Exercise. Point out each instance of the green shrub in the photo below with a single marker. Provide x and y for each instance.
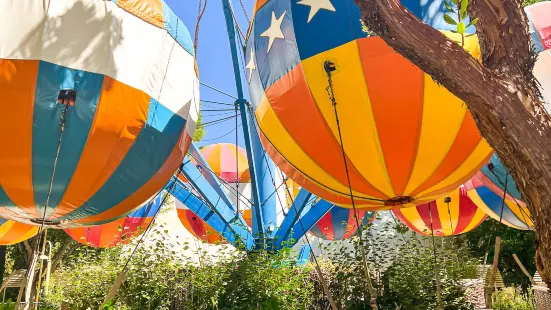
(513, 299)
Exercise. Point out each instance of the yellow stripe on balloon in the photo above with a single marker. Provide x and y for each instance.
(412, 215)
(521, 212)
(477, 218)
(280, 137)
(478, 158)
(5, 228)
(448, 215)
(359, 132)
(443, 115)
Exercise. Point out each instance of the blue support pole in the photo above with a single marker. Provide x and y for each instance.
(265, 168)
(212, 198)
(258, 222)
(303, 255)
(208, 215)
(299, 205)
(308, 220)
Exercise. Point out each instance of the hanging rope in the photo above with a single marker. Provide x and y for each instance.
(200, 12)
(217, 102)
(436, 267)
(330, 67)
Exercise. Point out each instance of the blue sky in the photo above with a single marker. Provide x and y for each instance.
(215, 62)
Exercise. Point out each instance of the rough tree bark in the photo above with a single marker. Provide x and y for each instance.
(501, 92)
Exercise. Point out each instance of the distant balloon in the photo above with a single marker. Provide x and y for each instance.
(99, 106)
(448, 216)
(511, 212)
(496, 177)
(120, 231)
(339, 223)
(539, 20)
(12, 232)
(228, 161)
(407, 140)
(201, 230)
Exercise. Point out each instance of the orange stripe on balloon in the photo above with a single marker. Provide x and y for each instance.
(391, 80)
(467, 139)
(17, 86)
(311, 132)
(148, 190)
(465, 179)
(149, 10)
(120, 115)
(295, 175)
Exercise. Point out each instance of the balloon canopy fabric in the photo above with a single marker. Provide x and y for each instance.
(99, 104)
(228, 161)
(201, 230)
(407, 140)
(448, 216)
(511, 212)
(496, 177)
(12, 232)
(339, 223)
(120, 231)
(539, 20)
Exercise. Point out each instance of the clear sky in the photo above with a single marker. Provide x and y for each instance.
(215, 62)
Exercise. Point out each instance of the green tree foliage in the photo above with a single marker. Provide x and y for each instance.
(513, 241)
(200, 130)
(529, 2)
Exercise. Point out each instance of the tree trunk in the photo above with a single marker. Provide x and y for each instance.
(501, 92)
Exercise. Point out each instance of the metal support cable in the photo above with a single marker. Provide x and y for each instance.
(217, 90)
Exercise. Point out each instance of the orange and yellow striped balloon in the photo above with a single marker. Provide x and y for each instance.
(451, 215)
(201, 230)
(228, 161)
(12, 232)
(407, 140)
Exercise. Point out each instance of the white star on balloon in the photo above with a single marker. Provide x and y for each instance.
(274, 32)
(316, 5)
(251, 65)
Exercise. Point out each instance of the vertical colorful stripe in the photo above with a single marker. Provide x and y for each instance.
(228, 161)
(448, 216)
(340, 223)
(402, 145)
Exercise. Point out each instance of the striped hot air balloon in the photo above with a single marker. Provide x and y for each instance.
(12, 232)
(539, 18)
(407, 140)
(511, 211)
(228, 161)
(120, 231)
(339, 223)
(496, 177)
(201, 230)
(99, 104)
(451, 215)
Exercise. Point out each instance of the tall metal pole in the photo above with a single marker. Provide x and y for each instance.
(257, 220)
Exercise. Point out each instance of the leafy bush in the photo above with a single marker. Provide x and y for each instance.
(513, 299)
(158, 278)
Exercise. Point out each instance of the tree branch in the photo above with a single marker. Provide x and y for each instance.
(484, 91)
(503, 34)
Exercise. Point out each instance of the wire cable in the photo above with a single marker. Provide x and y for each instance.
(217, 90)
